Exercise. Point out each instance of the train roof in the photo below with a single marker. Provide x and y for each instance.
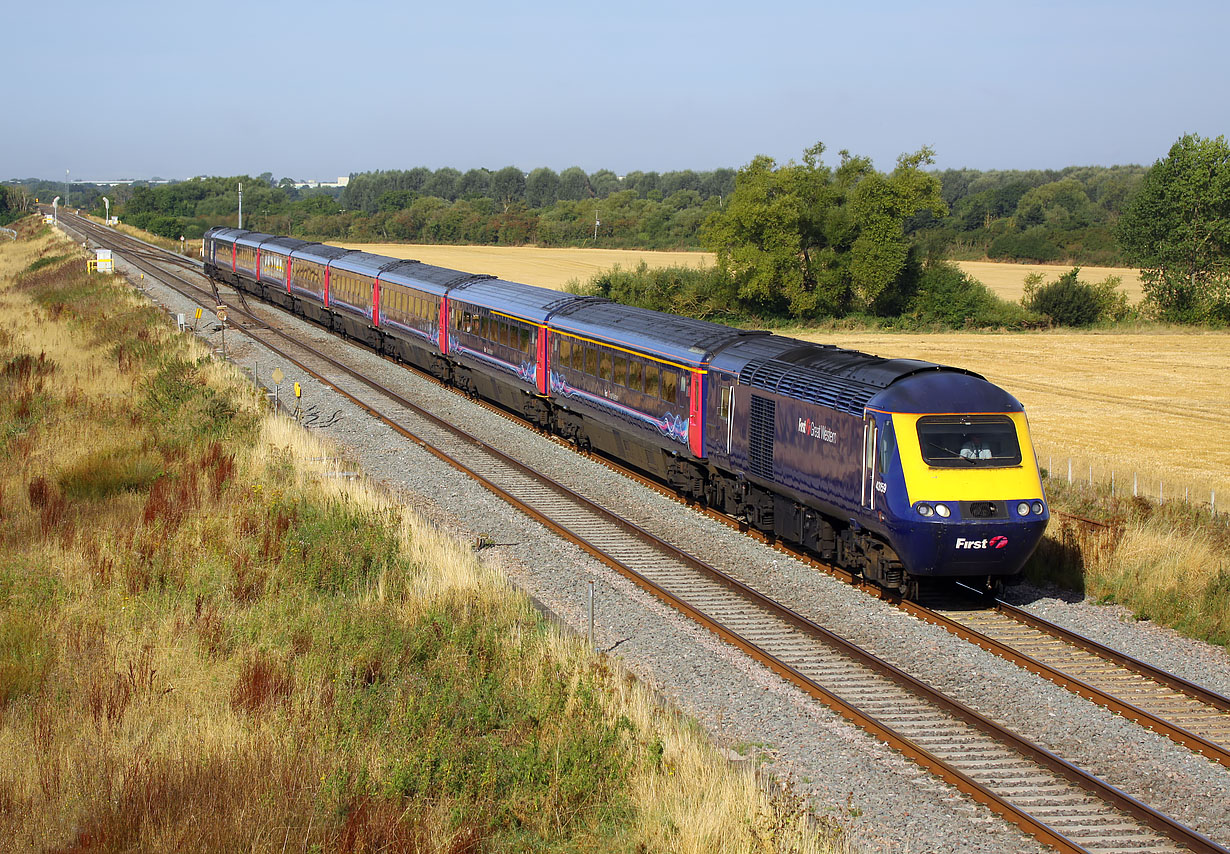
(944, 390)
(363, 263)
(844, 380)
(252, 238)
(322, 253)
(284, 245)
(525, 301)
(220, 232)
(426, 277)
(680, 339)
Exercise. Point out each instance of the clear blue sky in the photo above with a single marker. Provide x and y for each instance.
(315, 89)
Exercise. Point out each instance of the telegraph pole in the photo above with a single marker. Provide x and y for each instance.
(241, 204)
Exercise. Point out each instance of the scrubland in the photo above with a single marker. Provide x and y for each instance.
(206, 643)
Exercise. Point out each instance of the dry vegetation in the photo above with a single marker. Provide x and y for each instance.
(208, 644)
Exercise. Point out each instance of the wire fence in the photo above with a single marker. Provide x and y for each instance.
(1129, 482)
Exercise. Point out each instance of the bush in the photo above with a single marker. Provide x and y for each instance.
(1067, 301)
(692, 292)
(948, 296)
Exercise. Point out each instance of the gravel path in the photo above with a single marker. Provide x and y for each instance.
(885, 802)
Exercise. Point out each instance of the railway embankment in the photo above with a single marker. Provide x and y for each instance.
(212, 637)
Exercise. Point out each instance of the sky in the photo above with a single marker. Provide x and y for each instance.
(316, 89)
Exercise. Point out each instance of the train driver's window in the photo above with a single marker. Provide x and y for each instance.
(887, 443)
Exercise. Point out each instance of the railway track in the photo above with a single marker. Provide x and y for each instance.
(1042, 793)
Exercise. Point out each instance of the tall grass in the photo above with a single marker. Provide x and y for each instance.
(1169, 563)
(207, 643)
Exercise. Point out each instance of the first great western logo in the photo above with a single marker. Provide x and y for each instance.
(993, 543)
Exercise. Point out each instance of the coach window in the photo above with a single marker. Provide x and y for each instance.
(563, 348)
(578, 356)
(604, 366)
(636, 379)
(651, 378)
(670, 385)
(621, 370)
(591, 360)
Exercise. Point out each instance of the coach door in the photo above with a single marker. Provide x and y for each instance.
(720, 424)
(870, 440)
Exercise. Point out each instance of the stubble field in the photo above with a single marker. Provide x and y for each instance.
(553, 268)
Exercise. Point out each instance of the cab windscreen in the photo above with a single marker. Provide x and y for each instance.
(969, 441)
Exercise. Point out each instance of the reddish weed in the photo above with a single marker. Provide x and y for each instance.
(262, 683)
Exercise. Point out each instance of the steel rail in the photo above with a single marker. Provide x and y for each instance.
(1106, 792)
(1119, 705)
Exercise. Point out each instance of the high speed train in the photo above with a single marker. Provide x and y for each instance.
(898, 469)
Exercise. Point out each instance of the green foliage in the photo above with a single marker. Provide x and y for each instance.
(678, 290)
(1177, 229)
(1033, 244)
(45, 261)
(947, 296)
(107, 472)
(190, 412)
(1067, 301)
(27, 655)
(809, 241)
(1036, 215)
(334, 548)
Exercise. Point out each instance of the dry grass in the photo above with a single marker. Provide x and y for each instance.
(1007, 281)
(249, 654)
(1151, 403)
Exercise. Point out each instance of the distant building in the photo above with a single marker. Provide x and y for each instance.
(342, 181)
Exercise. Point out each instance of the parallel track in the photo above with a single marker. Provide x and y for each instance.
(1046, 796)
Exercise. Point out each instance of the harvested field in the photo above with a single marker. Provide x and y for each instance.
(553, 268)
(1007, 281)
(532, 265)
(1151, 403)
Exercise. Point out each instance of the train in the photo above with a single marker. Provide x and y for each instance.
(899, 470)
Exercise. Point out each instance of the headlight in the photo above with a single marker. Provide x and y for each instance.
(943, 510)
(925, 511)
(1022, 509)
(1038, 508)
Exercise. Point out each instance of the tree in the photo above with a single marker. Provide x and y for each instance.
(1177, 229)
(442, 184)
(541, 188)
(474, 184)
(508, 185)
(604, 182)
(813, 241)
(574, 184)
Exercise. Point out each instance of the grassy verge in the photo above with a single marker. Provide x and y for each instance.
(207, 643)
(1169, 563)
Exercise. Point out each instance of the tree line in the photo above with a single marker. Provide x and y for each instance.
(801, 240)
